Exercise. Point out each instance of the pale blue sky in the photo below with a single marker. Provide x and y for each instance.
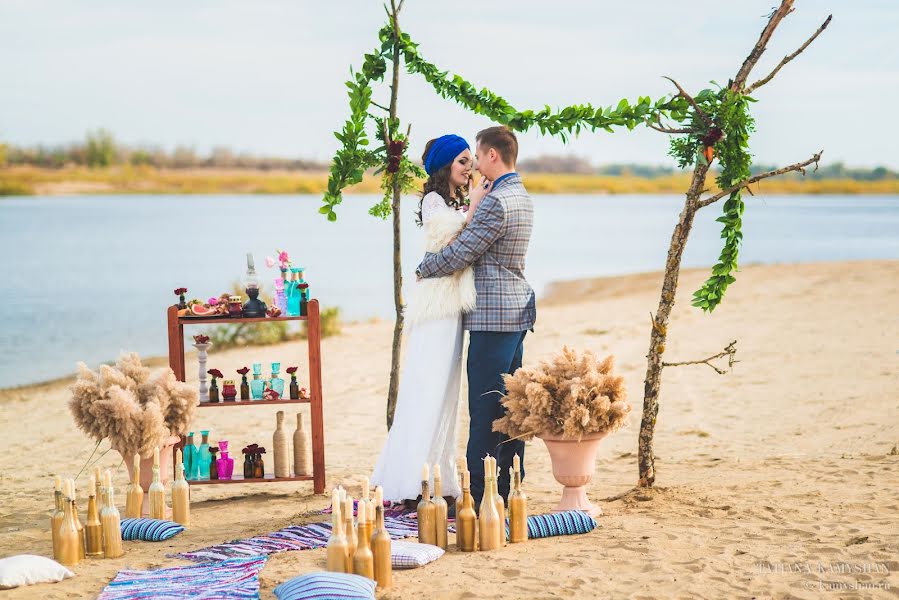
(267, 77)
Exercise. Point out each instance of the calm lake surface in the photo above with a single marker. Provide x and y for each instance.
(88, 276)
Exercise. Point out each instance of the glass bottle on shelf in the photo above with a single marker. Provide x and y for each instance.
(259, 465)
(204, 457)
(195, 457)
(293, 296)
(304, 299)
(280, 296)
(254, 307)
(189, 457)
(257, 386)
(213, 464)
(276, 383)
(225, 463)
(244, 384)
(213, 391)
(248, 463)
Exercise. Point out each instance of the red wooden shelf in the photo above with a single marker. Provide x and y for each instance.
(200, 320)
(266, 479)
(253, 403)
(176, 326)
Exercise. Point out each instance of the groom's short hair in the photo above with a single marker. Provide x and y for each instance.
(501, 139)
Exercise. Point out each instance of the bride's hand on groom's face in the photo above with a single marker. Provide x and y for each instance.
(481, 189)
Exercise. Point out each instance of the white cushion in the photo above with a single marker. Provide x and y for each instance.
(28, 569)
(409, 555)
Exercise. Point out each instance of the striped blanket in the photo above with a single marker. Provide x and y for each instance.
(235, 578)
(294, 537)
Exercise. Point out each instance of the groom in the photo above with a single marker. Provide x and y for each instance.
(495, 242)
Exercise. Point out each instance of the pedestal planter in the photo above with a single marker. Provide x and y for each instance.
(573, 465)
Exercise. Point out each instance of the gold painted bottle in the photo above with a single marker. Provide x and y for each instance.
(134, 494)
(78, 525)
(180, 494)
(156, 492)
(518, 507)
(365, 524)
(498, 500)
(93, 530)
(68, 532)
(427, 513)
(337, 546)
(461, 469)
(56, 518)
(349, 532)
(363, 559)
(441, 520)
(111, 522)
(488, 520)
(380, 546)
(466, 518)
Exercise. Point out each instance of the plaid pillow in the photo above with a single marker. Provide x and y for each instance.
(410, 555)
(561, 523)
(149, 530)
(327, 586)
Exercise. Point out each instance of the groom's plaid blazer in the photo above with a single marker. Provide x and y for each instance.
(495, 242)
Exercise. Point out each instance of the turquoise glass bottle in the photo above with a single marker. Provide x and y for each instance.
(257, 386)
(204, 457)
(188, 457)
(194, 472)
(293, 295)
(276, 382)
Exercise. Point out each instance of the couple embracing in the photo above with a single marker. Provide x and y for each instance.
(471, 278)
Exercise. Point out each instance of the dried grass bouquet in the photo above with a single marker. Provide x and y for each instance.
(571, 396)
(136, 409)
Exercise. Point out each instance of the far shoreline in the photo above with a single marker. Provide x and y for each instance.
(77, 181)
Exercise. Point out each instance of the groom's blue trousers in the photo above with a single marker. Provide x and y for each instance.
(490, 354)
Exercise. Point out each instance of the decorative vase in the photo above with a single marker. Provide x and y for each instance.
(276, 382)
(225, 463)
(573, 465)
(279, 445)
(201, 356)
(204, 457)
(146, 470)
(257, 386)
(229, 392)
(300, 449)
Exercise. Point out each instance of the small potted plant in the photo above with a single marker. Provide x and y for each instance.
(294, 386)
(244, 384)
(213, 387)
(571, 402)
(182, 305)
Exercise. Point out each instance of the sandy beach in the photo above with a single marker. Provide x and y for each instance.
(778, 479)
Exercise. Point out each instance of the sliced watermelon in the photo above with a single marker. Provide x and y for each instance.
(201, 310)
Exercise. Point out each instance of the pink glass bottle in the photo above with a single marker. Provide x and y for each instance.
(225, 463)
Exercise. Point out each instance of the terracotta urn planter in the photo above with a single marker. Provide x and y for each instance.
(573, 464)
(146, 470)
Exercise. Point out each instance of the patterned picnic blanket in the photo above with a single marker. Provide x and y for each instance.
(234, 578)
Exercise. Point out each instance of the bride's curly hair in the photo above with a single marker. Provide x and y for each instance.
(439, 182)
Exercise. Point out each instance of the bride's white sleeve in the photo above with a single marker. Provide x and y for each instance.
(431, 204)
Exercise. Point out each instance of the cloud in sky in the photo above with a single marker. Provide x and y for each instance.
(267, 77)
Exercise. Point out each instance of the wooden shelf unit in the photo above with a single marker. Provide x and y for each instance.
(176, 326)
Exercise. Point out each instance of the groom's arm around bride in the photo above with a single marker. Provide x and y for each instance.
(495, 242)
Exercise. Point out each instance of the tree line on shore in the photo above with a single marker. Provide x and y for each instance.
(99, 149)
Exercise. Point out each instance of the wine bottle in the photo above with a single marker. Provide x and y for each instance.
(279, 443)
(488, 520)
(518, 507)
(363, 559)
(110, 520)
(380, 543)
(337, 545)
(58, 515)
(78, 525)
(180, 495)
(134, 494)
(350, 533)
(93, 530)
(157, 491)
(466, 518)
(427, 512)
(441, 520)
(68, 532)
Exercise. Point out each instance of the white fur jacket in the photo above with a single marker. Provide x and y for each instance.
(442, 297)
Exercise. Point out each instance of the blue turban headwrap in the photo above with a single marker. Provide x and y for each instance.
(443, 151)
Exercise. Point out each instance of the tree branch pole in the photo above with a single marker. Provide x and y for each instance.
(393, 389)
(658, 335)
(729, 351)
(800, 166)
(788, 58)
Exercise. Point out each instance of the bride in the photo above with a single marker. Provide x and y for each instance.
(424, 425)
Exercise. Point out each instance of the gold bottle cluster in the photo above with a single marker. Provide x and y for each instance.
(72, 540)
(362, 547)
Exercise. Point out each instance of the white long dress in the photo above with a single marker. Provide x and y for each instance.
(425, 422)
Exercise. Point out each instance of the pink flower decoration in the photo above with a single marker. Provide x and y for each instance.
(269, 262)
(282, 257)
(212, 301)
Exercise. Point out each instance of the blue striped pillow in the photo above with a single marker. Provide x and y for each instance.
(149, 530)
(327, 586)
(561, 523)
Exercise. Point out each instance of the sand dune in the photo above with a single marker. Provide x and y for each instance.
(779, 479)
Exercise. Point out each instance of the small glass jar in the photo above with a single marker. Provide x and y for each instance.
(235, 308)
(229, 391)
